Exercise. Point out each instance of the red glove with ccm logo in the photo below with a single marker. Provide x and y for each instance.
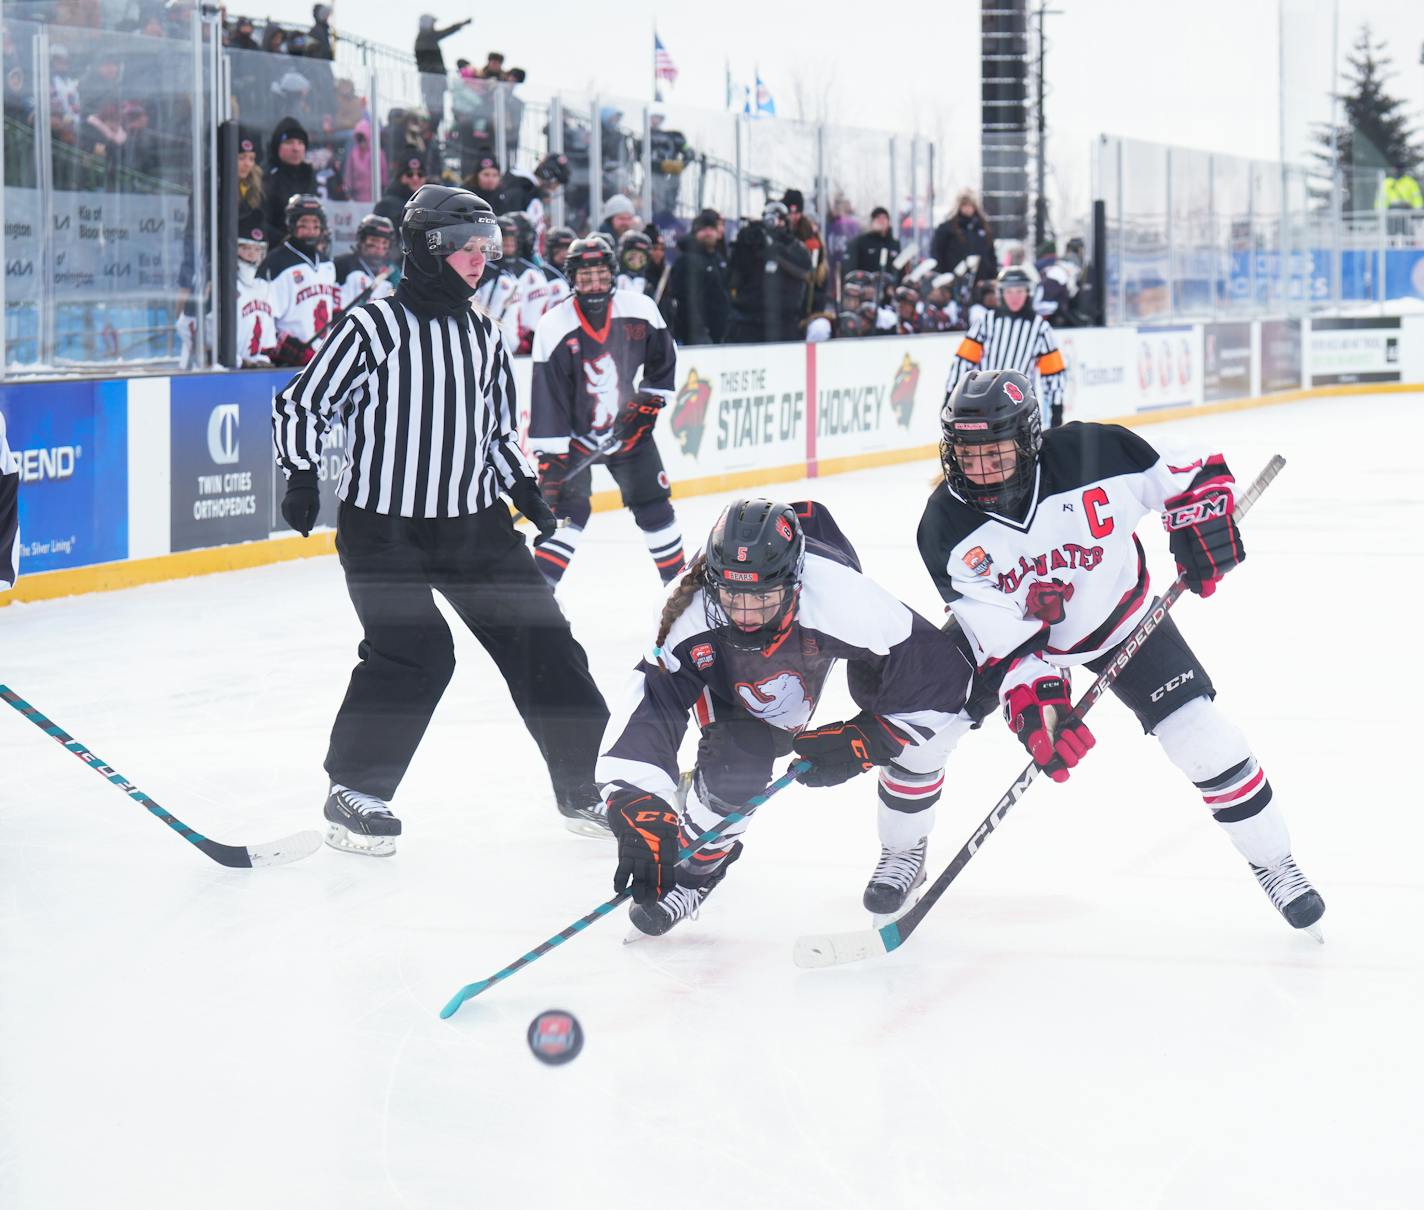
(1203, 535)
(1040, 713)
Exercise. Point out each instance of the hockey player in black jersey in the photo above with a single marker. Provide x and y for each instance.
(1031, 541)
(362, 274)
(745, 644)
(587, 396)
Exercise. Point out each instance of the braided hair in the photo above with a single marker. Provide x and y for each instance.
(681, 597)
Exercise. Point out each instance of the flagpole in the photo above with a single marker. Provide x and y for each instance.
(655, 62)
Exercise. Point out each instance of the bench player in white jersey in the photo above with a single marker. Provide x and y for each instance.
(540, 287)
(745, 645)
(588, 352)
(1030, 541)
(302, 283)
(1013, 337)
(363, 274)
(256, 329)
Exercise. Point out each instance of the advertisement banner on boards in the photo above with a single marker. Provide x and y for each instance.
(1100, 368)
(71, 441)
(1354, 350)
(1281, 355)
(1226, 361)
(328, 471)
(1168, 367)
(877, 394)
(221, 459)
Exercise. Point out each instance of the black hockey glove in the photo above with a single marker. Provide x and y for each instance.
(302, 502)
(637, 418)
(529, 500)
(840, 751)
(648, 843)
(552, 470)
(1203, 535)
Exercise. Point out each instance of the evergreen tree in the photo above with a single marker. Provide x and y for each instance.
(1376, 134)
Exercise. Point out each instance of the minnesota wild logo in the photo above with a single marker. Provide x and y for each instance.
(902, 390)
(689, 413)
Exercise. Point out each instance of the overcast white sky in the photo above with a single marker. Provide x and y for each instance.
(1201, 73)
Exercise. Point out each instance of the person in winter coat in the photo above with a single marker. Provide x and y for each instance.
(319, 46)
(863, 252)
(965, 233)
(356, 172)
(699, 285)
(288, 172)
(430, 61)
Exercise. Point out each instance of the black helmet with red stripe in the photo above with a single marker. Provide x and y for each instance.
(990, 435)
(591, 252)
(752, 575)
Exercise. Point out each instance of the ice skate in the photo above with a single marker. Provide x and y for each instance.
(683, 902)
(591, 820)
(360, 823)
(898, 872)
(1292, 895)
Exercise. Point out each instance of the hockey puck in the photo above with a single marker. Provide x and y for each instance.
(555, 1036)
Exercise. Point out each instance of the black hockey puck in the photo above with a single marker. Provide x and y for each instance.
(555, 1036)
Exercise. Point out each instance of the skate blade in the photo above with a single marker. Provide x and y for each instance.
(586, 827)
(347, 841)
(1315, 931)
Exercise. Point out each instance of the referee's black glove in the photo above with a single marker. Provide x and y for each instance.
(529, 500)
(302, 502)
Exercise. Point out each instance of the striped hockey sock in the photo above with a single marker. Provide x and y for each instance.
(665, 545)
(907, 800)
(1241, 802)
(553, 555)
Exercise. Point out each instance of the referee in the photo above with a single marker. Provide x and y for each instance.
(421, 385)
(1014, 337)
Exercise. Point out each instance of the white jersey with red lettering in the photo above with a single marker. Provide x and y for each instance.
(256, 327)
(302, 292)
(1069, 581)
(354, 275)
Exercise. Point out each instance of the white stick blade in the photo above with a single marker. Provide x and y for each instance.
(835, 949)
(289, 848)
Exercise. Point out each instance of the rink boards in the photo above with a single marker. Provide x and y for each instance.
(134, 480)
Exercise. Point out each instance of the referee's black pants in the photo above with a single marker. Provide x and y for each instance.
(481, 566)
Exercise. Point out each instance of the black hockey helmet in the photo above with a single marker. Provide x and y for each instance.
(633, 250)
(1016, 277)
(556, 242)
(986, 408)
(304, 205)
(907, 296)
(752, 576)
(516, 222)
(590, 252)
(858, 288)
(377, 225)
(441, 219)
(776, 217)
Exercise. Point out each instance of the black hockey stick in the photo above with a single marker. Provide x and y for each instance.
(278, 852)
(834, 949)
(470, 990)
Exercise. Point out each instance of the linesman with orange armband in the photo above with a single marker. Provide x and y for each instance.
(1014, 337)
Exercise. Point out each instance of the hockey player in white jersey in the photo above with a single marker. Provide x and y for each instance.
(1013, 337)
(745, 645)
(256, 328)
(587, 395)
(1030, 541)
(540, 287)
(363, 274)
(302, 283)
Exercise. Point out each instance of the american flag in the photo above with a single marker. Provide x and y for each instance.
(663, 66)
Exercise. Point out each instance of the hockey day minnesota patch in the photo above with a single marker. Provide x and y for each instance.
(978, 561)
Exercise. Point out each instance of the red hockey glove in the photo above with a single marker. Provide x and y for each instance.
(647, 832)
(1203, 535)
(637, 418)
(1040, 714)
(292, 352)
(840, 751)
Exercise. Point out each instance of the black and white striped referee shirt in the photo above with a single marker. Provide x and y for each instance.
(427, 406)
(1012, 342)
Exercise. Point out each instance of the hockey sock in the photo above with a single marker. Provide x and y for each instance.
(907, 800)
(704, 811)
(1213, 752)
(665, 545)
(553, 555)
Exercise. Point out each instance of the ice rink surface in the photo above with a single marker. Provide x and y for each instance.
(1103, 1012)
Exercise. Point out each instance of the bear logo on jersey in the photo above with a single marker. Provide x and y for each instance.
(689, 413)
(780, 700)
(1047, 600)
(600, 378)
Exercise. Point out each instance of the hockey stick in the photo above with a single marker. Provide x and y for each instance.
(470, 990)
(278, 852)
(581, 465)
(834, 949)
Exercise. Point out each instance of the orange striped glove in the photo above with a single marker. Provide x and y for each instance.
(840, 751)
(647, 832)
